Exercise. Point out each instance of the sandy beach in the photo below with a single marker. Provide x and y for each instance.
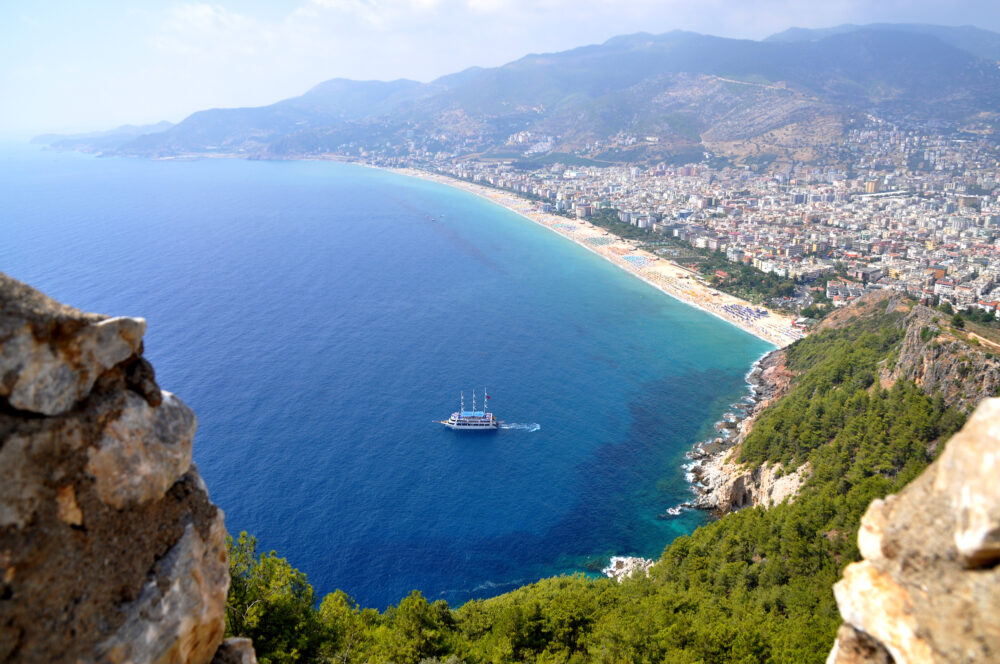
(668, 277)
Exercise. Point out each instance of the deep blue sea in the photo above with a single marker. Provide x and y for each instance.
(319, 317)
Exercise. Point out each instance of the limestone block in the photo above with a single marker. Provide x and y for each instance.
(968, 473)
(142, 452)
(875, 604)
(928, 588)
(871, 530)
(49, 375)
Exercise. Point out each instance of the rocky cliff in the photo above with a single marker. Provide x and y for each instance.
(723, 484)
(928, 589)
(937, 357)
(110, 549)
(942, 361)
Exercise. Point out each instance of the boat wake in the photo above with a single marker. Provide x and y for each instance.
(521, 427)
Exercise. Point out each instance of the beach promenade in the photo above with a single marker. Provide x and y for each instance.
(670, 278)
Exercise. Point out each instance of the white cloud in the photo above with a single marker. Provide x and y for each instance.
(369, 12)
(489, 5)
(201, 29)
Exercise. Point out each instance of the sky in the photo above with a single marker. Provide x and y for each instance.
(68, 66)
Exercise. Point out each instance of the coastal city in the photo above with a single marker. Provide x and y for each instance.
(904, 211)
(478, 332)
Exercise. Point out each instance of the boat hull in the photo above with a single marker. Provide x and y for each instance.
(464, 426)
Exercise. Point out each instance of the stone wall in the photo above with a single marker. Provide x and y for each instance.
(110, 549)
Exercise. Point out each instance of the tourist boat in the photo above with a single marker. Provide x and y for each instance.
(472, 420)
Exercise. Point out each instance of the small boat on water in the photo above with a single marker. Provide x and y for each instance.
(472, 420)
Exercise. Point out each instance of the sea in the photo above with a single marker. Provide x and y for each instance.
(320, 317)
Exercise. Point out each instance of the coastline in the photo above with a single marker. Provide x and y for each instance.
(714, 477)
(667, 277)
(713, 471)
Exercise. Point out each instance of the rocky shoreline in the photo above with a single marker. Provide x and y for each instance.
(623, 567)
(719, 483)
(710, 473)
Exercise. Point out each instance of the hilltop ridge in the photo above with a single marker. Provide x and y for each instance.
(691, 93)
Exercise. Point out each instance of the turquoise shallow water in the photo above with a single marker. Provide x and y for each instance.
(318, 317)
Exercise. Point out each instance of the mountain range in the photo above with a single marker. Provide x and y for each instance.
(633, 98)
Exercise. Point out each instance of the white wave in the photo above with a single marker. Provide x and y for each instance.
(677, 509)
(610, 569)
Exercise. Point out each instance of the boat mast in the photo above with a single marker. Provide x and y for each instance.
(473, 400)
(461, 402)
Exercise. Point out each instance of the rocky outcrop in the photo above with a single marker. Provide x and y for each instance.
(928, 588)
(722, 484)
(623, 567)
(110, 549)
(52, 354)
(729, 485)
(932, 356)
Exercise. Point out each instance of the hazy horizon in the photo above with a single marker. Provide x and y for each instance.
(70, 68)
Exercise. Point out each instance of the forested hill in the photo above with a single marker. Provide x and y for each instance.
(753, 586)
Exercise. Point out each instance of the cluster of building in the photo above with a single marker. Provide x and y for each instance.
(898, 210)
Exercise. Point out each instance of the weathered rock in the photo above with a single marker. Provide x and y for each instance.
(874, 603)
(50, 354)
(854, 647)
(968, 473)
(235, 651)
(730, 485)
(142, 452)
(941, 363)
(914, 593)
(185, 599)
(110, 549)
